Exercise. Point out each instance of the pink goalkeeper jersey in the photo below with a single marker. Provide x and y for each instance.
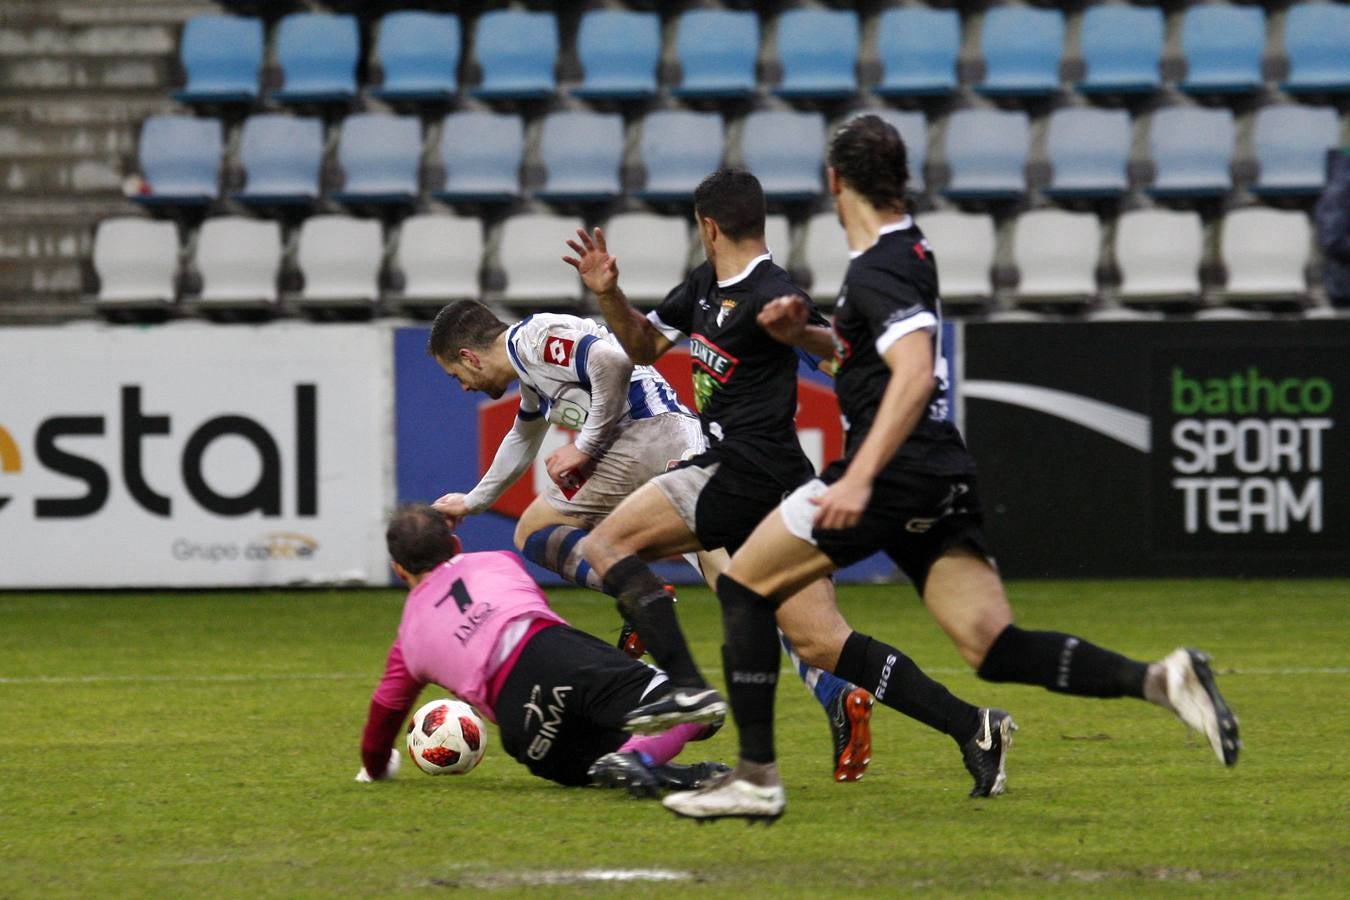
(459, 626)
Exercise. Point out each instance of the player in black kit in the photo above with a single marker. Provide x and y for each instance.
(745, 389)
(905, 486)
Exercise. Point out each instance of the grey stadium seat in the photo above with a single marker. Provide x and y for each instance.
(1158, 253)
(529, 255)
(340, 258)
(238, 259)
(653, 253)
(440, 257)
(1265, 252)
(136, 260)
(965, 244)
(1056, 255)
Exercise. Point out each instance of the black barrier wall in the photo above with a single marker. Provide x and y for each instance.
(1198, 448)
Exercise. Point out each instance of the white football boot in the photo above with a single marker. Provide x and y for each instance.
(1196, 700)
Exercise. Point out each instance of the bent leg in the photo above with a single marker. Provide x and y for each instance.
(552, 539)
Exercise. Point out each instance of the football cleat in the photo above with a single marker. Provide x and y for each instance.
(627, 771)
(679, 777)
(730, 798)
(986, 752)
(630, 643)
(850, 725)
(1196, 700)
(682, 704)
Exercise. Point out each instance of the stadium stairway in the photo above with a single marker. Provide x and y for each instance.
(77, 77)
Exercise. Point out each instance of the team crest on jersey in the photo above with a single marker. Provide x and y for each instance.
(558, 351)
(728, 305)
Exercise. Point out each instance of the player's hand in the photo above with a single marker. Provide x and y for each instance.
(453, 506)
(598, 270)
(842, 504)
(389, 772)
(569, 467)
(785, 318)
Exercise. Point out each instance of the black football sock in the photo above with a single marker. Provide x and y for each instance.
(1062, 663)
(751, 659)
(896, 681)
(646, 603)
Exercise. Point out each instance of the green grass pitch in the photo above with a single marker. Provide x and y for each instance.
(205, 743)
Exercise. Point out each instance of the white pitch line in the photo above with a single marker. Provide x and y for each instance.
(374, 676)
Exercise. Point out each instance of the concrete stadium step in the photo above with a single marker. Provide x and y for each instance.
(38, 141)
(66, 73)
(46, 176)
(93, 40)
(134, 12)
(86, 109)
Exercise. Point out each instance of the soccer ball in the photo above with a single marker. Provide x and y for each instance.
(446, 737)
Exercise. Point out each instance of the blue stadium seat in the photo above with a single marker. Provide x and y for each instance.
(1223, 45)
(317, 53)
(221, 56)
(987, 154)
(717, 50)
(419, 53)
(818, 50)
(1291, 147)
(1088, 149)
(179, 161)
(1191, 149)
(380, 156)
(1317, 42)
(914, 131)
(581, 153)
(281, 157)
(619, 52)
(481, 153)
(1022, 49)
(678, 149)
(1122, 46)
(918, 49)
(786, 151)
(517, 52)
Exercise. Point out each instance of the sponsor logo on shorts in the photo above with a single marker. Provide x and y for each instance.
(550, 718)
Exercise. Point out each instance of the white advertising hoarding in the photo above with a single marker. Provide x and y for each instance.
(194, 455)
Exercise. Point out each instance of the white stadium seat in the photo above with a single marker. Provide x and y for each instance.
(530, 256)
(1056, 255)
(1265, 252)
(440, 257)
(652, 251)
(965, 244)
(826, 256)
(136, 260)
(1158, 253)
(238, 259)
(340, 258)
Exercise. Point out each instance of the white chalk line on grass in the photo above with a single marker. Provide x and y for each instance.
(245, 678)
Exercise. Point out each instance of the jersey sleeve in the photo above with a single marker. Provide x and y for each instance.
(674, 316)
(393, 698)
(892, 312)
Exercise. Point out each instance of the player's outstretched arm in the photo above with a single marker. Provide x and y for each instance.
(600, 273)
(389, 706)
(787, 319)
(513, 459)
(902, 405)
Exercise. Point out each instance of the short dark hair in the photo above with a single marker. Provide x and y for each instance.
(869, 155)
(464, 324)
(419, 538)
(734, 200)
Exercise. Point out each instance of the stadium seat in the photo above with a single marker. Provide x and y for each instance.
(716, 50)
(1291, 147)
(136, 260)
(1222, 45)
(1088, 149)
(1056, 255)
(481, 153)
(917, 48)
(914, 131)
(528, 256)
(1316, 36)
(517, 52)
(1122, 46)
(1022, 49)
(619, 52)
(581, 153)
(439, 257)
(987, 154)
(222, 56)
(380, 157)
(653, 253)
(419, 56)
(1158, 255)
(179, 161)
(340, 259)
(827, 256)
(964, 245)
(778, 238)
(818, 52)
(1191, 149)
(281, 157)
(1265, 252)
(786, 151)
(318, 54)
(678, 149)
(238, 259)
